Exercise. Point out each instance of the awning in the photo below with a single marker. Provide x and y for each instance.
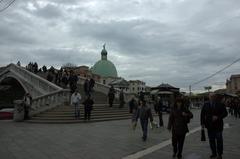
(231, 95)
(154, 92)
(165, 92)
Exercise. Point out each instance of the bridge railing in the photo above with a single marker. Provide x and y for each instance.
(39, 83)
(49, 101)
(105, 89)
(49, 96)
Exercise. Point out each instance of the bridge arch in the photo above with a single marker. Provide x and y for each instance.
(9, 77)
(10, 89)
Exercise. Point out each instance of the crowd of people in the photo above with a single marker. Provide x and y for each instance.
(212, 114)
(76, 97)
(64, 78)
(213, 111)
(234, 106)
(32, 67)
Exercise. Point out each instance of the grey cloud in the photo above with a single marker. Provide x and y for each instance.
(49, 11)
(168, 41)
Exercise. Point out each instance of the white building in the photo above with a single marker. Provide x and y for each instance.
(233, 84)
(137, 86)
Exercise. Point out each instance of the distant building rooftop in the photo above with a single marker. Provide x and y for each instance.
(235, 76)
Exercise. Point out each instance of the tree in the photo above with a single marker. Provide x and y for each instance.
(208, 88)
(69, 65)
(52, 69)
(44, 68)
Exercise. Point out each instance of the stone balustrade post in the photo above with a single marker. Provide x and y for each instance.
(18, 111)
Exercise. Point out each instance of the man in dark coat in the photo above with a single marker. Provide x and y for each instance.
(86, 87)
(178, 120)
(121, 99)
(132, 105)
(141, 96)
(73, 81)
(91, 84)
(111, 96)
(64, 80)
(158, 107)
(144, 113)
(212, 115)
(88, 106)
(49, 77)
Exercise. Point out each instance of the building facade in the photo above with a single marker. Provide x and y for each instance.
(167, 93)
(233, 84)
(136, 86)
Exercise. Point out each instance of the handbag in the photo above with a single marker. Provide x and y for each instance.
(203, 136)
(134, 125)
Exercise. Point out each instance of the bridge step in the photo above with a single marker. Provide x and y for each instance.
(77, 121)
(93, 112)
(71, 114)
(81, 115)
(65, 114)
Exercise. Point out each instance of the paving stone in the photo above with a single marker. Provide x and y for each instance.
(103, 140)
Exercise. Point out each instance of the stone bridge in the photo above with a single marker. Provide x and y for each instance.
(46, 95)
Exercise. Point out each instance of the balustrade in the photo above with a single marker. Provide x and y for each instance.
(39, 83)
(49, 101)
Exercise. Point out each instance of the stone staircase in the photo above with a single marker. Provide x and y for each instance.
(65, 114)
(101, 111)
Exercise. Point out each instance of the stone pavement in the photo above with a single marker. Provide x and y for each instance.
(195, 149)
(103, 140)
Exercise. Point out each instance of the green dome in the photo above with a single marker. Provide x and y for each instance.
(104, 67)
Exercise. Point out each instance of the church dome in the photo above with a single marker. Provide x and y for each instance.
(104, 67)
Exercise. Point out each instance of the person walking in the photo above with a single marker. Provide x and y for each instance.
(141, 96)
(64, 80)
(132, 105)
(178, 123)
(27, 101)
(75, 101)
(88, 106)
(235, 107)
(73, 78)
(144, 113)
(238, 107)
(158, 107)
(212, 115)
(121, 99)
(111, 96)
(91, 85)
(86, 87)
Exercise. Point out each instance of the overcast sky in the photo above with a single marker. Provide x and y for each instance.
(172, 41)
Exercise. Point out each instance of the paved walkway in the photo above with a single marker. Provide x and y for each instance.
(103, 140)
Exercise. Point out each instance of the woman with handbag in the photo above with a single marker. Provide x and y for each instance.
(178, 120)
